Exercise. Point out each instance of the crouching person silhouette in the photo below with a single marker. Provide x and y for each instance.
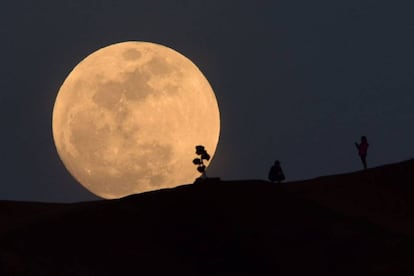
(276, 174)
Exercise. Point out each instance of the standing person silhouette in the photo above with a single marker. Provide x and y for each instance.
(363, 150)
(276, 173)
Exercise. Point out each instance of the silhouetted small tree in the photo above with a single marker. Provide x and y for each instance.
(199, 162)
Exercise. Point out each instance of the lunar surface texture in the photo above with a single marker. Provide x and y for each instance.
(127, 119)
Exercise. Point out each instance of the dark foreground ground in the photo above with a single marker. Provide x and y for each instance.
(353, 224)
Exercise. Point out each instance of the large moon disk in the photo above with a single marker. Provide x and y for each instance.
(128, 117)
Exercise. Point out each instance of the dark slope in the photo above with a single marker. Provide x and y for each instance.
(14, 214)
(382, 195)
(217, 228)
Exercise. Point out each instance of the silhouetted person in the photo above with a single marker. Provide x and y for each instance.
(363, 150)
(276, 174)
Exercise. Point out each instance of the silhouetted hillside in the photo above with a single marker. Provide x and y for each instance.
(382, 195)
(335, 225)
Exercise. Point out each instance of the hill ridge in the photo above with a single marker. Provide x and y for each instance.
(335, 225)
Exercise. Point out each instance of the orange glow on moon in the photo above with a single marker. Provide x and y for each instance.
(128, 117)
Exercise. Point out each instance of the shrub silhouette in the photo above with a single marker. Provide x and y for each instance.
(201, 168)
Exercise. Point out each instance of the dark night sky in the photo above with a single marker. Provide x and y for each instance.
(295, 80)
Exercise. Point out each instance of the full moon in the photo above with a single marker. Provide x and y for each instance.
(127, 119)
